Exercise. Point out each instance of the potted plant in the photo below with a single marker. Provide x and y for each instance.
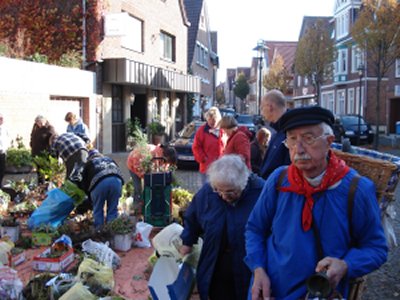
(121, 230)
(135, 133)
(43, 235)
(18, 158)
(156, 130)
(10, 227)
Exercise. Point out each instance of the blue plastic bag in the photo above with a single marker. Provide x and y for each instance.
(53, 211)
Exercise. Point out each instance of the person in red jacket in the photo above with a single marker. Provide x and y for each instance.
(208, 144)
(238, 139)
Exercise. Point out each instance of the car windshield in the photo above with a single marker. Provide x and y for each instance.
(244, 119)
(189, 131)
(352, 120)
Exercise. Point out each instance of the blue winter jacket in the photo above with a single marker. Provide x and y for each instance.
(205, 218)
(277, 154)
(276, 241)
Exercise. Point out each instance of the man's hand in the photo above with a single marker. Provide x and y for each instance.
(261, 288)
(335, 269)
(185, 250)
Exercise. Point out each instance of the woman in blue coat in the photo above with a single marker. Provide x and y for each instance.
(218, 214)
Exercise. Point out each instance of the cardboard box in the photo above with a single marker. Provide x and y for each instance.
(168, 281)
(57, 264)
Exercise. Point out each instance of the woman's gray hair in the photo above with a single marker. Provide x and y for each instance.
(230, 169)
(228, 122)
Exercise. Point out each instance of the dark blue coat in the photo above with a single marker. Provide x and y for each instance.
(206, 217)
(277, 154)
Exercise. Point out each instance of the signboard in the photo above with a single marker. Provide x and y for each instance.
(114, 24)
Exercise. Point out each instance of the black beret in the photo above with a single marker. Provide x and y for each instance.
(303, 116)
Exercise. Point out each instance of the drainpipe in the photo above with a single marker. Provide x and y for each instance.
(84, 34)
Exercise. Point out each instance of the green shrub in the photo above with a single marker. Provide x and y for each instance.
(19, 157)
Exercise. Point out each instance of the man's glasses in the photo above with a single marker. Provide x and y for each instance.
(306, 139)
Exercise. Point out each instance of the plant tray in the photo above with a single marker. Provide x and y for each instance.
(15, 260)
(41, 239)
(57, 264)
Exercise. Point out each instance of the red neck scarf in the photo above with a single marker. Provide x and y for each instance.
(335, 171)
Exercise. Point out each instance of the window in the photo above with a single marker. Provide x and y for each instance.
(342, 61)
(327, 100)
(340, 105)
(133, 39)
(350, 101)
(305, 80)
(357, 58)
(358, 102)
(167, 46)
(298, 80)
(397, 90)
(202, 56)
(342, 24)
(397, 67)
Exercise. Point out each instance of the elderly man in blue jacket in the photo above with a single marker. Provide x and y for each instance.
(302, 224)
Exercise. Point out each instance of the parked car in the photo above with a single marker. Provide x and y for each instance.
(227, 112)
(352, 126)
(183, 145)
(246, 121)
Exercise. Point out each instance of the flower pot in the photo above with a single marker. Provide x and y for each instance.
(11, 231)
(18, 170)
(123, 242)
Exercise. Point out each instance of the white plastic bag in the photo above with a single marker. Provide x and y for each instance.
(10, 284)
(388, 215)
(168, 242)
(102, 252)
(142, 233)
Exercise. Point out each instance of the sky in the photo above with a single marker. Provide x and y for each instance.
(240, 24)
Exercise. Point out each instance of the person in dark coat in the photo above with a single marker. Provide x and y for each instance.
(40, 143)
(71, 148)
(258, 147)
(273, 107)
(218, 213)
(101, 179)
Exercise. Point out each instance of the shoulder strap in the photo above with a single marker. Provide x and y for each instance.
(350, 202)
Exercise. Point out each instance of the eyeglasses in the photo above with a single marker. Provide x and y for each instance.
(225, 193)
(306, 139)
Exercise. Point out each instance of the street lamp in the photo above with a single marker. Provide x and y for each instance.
(360, 70)
(261, 49)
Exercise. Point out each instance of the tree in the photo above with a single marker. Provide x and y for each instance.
(220, 95)
(51, 28)
(315, 54)
(377, 33)
(242, 88)
(278, 76)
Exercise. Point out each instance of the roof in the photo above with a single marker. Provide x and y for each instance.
(193, 12)
(285, 49)
(310, 21)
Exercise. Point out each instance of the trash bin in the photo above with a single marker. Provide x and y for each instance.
(398, 127)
